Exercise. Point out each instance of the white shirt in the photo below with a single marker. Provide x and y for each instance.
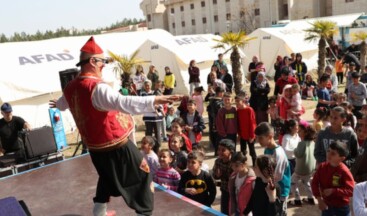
(107, 99)
(289, 143)
(360, 199)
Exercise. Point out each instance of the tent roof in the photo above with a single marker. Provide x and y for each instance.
(294, 38)
(340, 20)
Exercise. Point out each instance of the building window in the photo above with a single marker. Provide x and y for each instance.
(204, 20)
(149, 17)
(285, 9)
(349, 1)
(173, 25)
(193, 22)
(228, 16)
(214, 1)
(227, 0)
(172, 10)
(182, 8)
(192, 6)
(203, 4)
(215, 18)
(183, 23)
(257, 12)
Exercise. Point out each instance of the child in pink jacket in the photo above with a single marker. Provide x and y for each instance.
(240, 184)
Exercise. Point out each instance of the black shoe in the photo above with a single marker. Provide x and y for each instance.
(298, 202)
(295, 203)
(310, 201)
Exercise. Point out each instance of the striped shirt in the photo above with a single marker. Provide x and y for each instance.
(168, 178)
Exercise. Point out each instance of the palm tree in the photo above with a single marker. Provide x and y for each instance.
(234, 41)
(125, 64)
(361, 36)
(321, 30)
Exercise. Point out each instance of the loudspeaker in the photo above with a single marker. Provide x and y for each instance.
(39, 142)
(67, 75)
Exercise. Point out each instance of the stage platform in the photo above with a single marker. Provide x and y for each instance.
(67, 188)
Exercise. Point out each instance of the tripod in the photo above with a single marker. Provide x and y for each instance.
(84, 147)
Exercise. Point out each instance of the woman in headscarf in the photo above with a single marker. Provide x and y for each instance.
(284, 102)
(259, 97)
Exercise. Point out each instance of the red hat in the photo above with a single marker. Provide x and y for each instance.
(91, 47)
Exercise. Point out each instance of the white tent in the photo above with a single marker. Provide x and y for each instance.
(178, 53)
(31, 74)
(271, 42)
(289, 39)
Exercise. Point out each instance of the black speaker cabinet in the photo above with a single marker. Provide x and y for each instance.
(39, 142)
(67, 75)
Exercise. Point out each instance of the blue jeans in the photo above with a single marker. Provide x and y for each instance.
(334, 211)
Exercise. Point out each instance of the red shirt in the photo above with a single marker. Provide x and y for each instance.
(339, 178)
(283, 108)
(246, 123)
(281, 83)
(226, 121)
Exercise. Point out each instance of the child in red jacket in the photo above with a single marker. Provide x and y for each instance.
(333, 183)
(240, 184)
(246, 125)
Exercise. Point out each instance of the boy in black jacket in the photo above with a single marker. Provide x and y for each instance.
(194, 123)
(215, 103)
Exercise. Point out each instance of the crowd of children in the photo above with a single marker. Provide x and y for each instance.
(326, 157)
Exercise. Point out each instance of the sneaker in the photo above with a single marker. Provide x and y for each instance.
(295, 203)
(309, 201)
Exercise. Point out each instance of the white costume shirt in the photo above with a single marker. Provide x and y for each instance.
(107, 99)
(360, 199)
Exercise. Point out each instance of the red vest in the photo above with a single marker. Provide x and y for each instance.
(99, 129)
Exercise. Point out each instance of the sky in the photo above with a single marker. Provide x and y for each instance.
(30, 16)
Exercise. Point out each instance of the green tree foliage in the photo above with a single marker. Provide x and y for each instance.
(63, 32)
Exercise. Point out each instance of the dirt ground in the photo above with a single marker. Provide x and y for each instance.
(292, 211)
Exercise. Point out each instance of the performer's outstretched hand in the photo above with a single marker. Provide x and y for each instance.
(52, 103)
(167, 99)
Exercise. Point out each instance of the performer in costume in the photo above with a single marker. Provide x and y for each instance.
(103, 117)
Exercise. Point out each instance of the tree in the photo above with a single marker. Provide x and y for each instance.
(361, 36)
(321, 30)
(246, 21)
(125, 64)
(3, 38)
(234, 41)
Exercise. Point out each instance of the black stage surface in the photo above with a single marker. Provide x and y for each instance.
(67, 188)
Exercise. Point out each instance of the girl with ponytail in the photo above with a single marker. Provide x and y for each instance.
(263, 198)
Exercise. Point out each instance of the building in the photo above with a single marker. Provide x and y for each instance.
(217, 16)
(348, 6)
